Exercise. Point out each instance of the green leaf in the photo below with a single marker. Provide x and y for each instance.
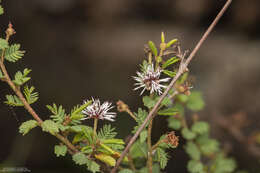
(64, 128)
(162, 157)
(148, 102)
(153, 48)
(116, 147)
(13, 53)
(60, 150)
(144, 66)
(21, 78)
(187, 134)
(193, 151)
(125, 171)
(1, 74)
(166, 101)
(31, 97)
(107, 149)
(50, 126)
(138, 150)
(183, 78)
(3, 44)
(200, 127)
(143, 136)
(207, 146)
(27, 126)
(88, 134)
(141, 115)
(78, 137)
(76, 112)
(58, 113)
(113, 141)
(107, 132)
(168, 111)
(156, 169)
(179, 107)
(195, 166)
(169, 73)
(112, 145)
(1, 10)
(223, 165)
(195, 102)
(174, 123)
(13, 100)
(87, 149)
(80, 158)
(162, 37)
(93, 166)
(182, 98)
(75, 129)
(170, 43)
(106, 159)
(170, 62)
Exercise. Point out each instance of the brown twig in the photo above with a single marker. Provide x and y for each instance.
(122, 107)
(27, 106)
(181, 70)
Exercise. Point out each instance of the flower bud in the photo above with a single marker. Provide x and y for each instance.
(163, 46)
(10, 31)
(180, 88)
(121, 106)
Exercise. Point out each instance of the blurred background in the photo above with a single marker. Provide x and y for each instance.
(82, 48)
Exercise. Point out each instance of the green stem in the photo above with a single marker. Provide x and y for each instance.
(95, 127)
(131, 114)
(150, 58)
(150, 150)
(157, 144)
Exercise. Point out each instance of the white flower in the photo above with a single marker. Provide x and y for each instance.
(99, 111)
(149, 79)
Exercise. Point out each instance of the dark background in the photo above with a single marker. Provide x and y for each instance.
(82, 48)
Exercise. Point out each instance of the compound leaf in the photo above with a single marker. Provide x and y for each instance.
(27, 126)
(13, 53)
(50, 126)
(60, 150)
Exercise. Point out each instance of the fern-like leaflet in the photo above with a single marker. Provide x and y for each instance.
(21, 77)
(162, 157)
(107, 132)
(31, 97)
(13, 53)
(13, 100)
(58, 113)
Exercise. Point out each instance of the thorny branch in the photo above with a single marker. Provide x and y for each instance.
(182, 69)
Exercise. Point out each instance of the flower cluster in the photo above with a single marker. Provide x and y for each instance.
(150, 80)
(99, 111)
